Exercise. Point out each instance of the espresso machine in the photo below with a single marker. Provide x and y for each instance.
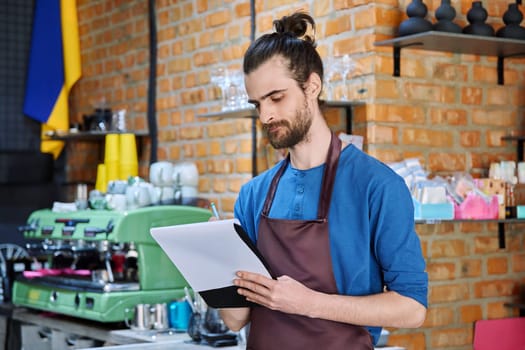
(99, 264)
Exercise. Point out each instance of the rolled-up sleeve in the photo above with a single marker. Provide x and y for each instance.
(397, 245)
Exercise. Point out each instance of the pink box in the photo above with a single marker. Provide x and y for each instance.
(475, 207)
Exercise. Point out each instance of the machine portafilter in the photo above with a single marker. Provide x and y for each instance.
(105, 249)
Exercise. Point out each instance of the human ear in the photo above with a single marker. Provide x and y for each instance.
(313, 85)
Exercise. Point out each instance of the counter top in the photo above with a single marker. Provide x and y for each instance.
(183, 342)
(120, 339)
(173, 345)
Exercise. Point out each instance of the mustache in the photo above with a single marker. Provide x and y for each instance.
(268, 126)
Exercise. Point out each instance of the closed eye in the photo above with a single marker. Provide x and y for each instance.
(277, 97)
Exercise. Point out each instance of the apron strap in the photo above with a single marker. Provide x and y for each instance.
(273, 186)
(332, 159)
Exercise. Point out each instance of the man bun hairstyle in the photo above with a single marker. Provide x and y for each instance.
(296, 25)
(291, 41)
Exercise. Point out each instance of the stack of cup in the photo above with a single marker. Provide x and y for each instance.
(101, 184)
(128, 160)
(111, 157)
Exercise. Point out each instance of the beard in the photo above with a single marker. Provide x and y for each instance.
(289, 133)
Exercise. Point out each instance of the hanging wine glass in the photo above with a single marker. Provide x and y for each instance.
(338, 67)
(345, 65)
(219, 77)
(241, 98)
(329, 74)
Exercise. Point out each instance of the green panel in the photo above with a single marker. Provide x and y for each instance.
(136, 224)
(104, 307)
(128, 226)
(157, 270)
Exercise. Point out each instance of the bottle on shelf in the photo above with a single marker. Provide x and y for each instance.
(510, 201)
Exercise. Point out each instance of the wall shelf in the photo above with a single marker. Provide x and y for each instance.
(501, 48)
(233, 114)
(98, 137)
(501, 225)
(91, 135)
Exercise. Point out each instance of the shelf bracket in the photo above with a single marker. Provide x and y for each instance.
(520, 151)
(349, 118)
(501, 66)
(501, 70)
(397, 61)
(397, 56)
(501, 235)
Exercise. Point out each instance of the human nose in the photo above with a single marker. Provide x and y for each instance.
(266, 114)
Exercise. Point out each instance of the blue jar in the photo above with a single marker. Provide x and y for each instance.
(179, 313)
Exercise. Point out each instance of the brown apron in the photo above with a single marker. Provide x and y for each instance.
(301, 250)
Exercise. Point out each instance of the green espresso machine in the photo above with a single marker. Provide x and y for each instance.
(98, 264)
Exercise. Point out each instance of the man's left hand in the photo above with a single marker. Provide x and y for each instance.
(283, 294)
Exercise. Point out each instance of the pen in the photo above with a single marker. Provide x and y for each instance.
(214, 210)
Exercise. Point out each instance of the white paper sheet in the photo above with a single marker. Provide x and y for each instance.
(208, 253)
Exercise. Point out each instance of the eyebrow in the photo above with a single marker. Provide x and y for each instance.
(266, 96)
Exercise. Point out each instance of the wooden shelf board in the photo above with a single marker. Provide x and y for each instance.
(459, 43)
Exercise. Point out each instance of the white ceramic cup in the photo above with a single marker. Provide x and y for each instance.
(186, 173)
(167, 194)
(116, 202)
(189, 192)
(138, 196)
(161, 173)
(142, 318)
(117, 187)
(160, 316)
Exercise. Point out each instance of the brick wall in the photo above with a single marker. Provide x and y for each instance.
(446, 109)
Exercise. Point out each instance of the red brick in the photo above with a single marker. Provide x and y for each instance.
(439, 316)
(441, 271)
(493, 288)
(448, 293)
(446, 162)
(471, 313)
(451, 337)
(471, 268)
(518, 262)
(413, 340)
(497, 266)
(426, 137)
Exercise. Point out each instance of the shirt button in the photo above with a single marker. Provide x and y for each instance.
(300, 189)
(297, 208)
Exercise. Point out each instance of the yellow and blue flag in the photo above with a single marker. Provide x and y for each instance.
(54, 67)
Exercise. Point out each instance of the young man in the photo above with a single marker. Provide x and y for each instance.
(334, 224)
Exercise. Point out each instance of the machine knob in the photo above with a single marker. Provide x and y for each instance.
(77, 301)
(68, 231)
(47, 230)
(31, 226)
(93, 231)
